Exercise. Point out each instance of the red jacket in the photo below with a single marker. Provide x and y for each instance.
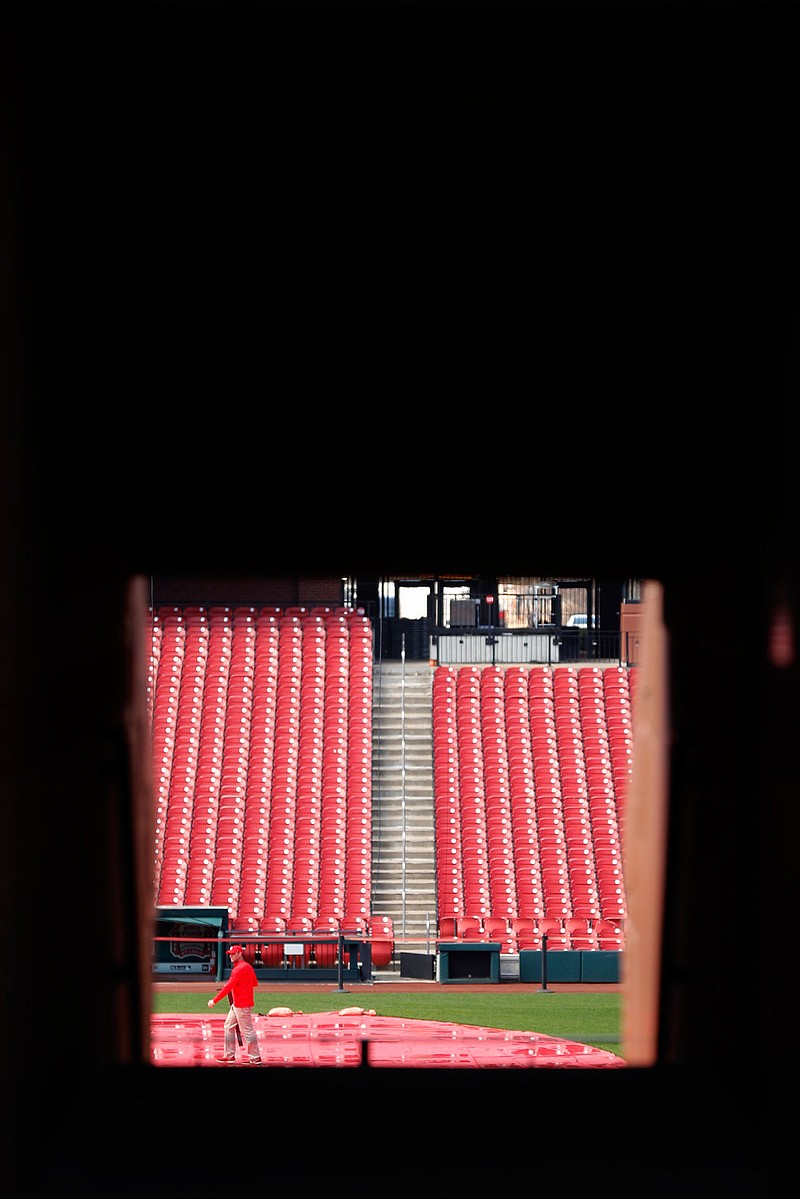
(240, 985)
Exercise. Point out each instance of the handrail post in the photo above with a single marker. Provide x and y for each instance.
(544, 963)
(340, 968)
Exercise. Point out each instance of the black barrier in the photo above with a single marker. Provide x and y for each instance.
(418, 965)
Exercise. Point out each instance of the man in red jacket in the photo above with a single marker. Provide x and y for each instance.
(240, 987)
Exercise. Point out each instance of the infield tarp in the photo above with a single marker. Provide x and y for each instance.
(331, 1039)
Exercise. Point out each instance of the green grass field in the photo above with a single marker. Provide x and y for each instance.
(591, 1019)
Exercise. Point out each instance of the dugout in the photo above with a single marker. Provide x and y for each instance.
(187, 941)
(469, 961)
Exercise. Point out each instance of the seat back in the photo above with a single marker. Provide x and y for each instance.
(495, 928)
(382, 937)
(469, 928)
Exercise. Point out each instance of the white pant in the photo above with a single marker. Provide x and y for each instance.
(243, 1016)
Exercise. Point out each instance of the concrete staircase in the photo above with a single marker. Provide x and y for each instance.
(403, 862)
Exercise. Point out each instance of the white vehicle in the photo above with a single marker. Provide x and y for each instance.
(579, 620)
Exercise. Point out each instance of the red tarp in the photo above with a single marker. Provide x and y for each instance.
(331, 1039)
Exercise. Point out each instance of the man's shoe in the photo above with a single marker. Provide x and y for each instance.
(257, 1062)
(226, 1061)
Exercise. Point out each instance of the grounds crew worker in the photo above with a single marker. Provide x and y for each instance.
(239, 1020)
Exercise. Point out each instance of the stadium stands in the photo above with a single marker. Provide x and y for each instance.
(262, 758)
(528, 771)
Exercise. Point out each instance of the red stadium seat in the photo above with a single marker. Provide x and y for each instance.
(326, 952)
(610, 934)
(382, 937)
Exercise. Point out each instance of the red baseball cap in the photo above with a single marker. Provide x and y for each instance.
(235, 949)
